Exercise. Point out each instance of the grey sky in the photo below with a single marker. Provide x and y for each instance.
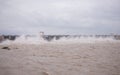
(60, 16)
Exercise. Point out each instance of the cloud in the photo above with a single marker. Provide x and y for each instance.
(59, 17)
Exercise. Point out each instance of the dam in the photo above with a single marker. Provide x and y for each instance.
(56, 37)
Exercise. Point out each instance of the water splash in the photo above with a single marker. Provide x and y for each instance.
(36, 39)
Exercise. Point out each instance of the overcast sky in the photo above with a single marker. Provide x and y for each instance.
(60, 16)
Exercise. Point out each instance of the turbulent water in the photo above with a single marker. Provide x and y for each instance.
(66, 56)
(39, 40)
(60, 57)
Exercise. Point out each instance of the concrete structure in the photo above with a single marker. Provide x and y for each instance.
(57, 37)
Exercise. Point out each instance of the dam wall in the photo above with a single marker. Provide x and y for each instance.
(57, 37)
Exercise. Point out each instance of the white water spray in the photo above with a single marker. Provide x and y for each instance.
(37, 39)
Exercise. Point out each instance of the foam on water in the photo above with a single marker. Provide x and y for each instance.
(39, 40)
(85, 39)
